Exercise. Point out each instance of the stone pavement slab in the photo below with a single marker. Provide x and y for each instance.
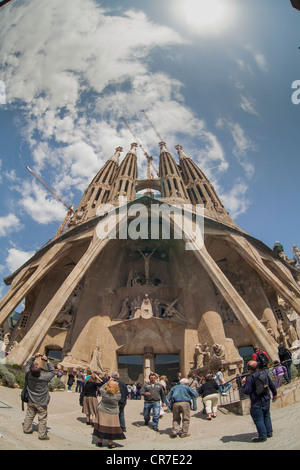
(68, 431)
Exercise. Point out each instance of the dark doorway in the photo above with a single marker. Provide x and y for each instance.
(167, 364)
(131, 368)
(246, 353)
(54, 355)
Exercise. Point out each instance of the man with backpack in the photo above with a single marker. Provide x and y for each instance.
(257, 384)
(261, 358)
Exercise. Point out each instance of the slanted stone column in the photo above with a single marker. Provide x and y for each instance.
(255, 330)
(20, 289)
(251, 255)
(35, 335)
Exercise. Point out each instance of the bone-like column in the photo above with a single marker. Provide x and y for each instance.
(255, 330)
(38, 331)
(20, 289)
(252, 257)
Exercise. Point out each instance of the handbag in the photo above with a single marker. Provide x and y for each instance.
(24, 393)
(81, 397)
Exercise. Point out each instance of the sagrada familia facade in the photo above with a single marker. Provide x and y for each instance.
(113, 286)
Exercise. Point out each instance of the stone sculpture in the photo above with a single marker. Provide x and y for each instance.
(96, 364)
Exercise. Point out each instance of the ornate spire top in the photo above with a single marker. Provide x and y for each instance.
(163, 147)
(134, 145)
(116, 156)
(181, 153)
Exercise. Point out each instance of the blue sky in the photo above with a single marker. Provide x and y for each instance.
(218, 83)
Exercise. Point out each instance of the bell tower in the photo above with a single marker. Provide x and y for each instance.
(98, 192)
(172, 186)
(200, 190)
(124, 183)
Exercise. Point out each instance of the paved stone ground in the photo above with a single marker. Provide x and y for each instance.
(68, 431)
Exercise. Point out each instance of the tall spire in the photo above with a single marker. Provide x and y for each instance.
(98, 191)
(200, 189)
(124, 183)
(172, 186)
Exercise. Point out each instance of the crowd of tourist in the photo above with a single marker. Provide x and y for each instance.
(103, 399)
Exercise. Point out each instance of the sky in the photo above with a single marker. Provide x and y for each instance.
(219, 77)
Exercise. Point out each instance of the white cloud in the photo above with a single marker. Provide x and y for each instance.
(2, 92)
(8, 224)
(248, 105)
(242, 144)
(76, 73)
(73, 49)
(236, 200)
(41, 205)
(259, 58)
(57, 71)
(17, 258)
(261, 62)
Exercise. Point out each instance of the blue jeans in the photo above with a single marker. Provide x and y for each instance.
(155, 406)
(260, 413)
(79, 386)
(288, 365)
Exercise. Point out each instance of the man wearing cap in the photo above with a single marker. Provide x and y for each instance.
(180, 398)
(38, 394)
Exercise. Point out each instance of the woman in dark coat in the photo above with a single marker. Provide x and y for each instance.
(71, 380)
(209, 392)
(90, 402)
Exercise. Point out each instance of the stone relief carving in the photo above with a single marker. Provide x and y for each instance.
(148, 308)
(296, 252)
(96, 364)
(135, 308)
(67, 314)
(170, 311)
(201, 357)
(219, 351)
(206, 359)
(63, 320)
(227, 315)
(288, 331)
(134, 279)
(125, 310)
(147, 257)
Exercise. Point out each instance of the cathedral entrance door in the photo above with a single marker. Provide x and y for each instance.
(167, 364)
(130, 368)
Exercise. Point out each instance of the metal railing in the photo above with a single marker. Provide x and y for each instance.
(232, 391)
(235, 392)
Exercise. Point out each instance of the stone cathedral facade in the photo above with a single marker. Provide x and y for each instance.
(99, 301)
